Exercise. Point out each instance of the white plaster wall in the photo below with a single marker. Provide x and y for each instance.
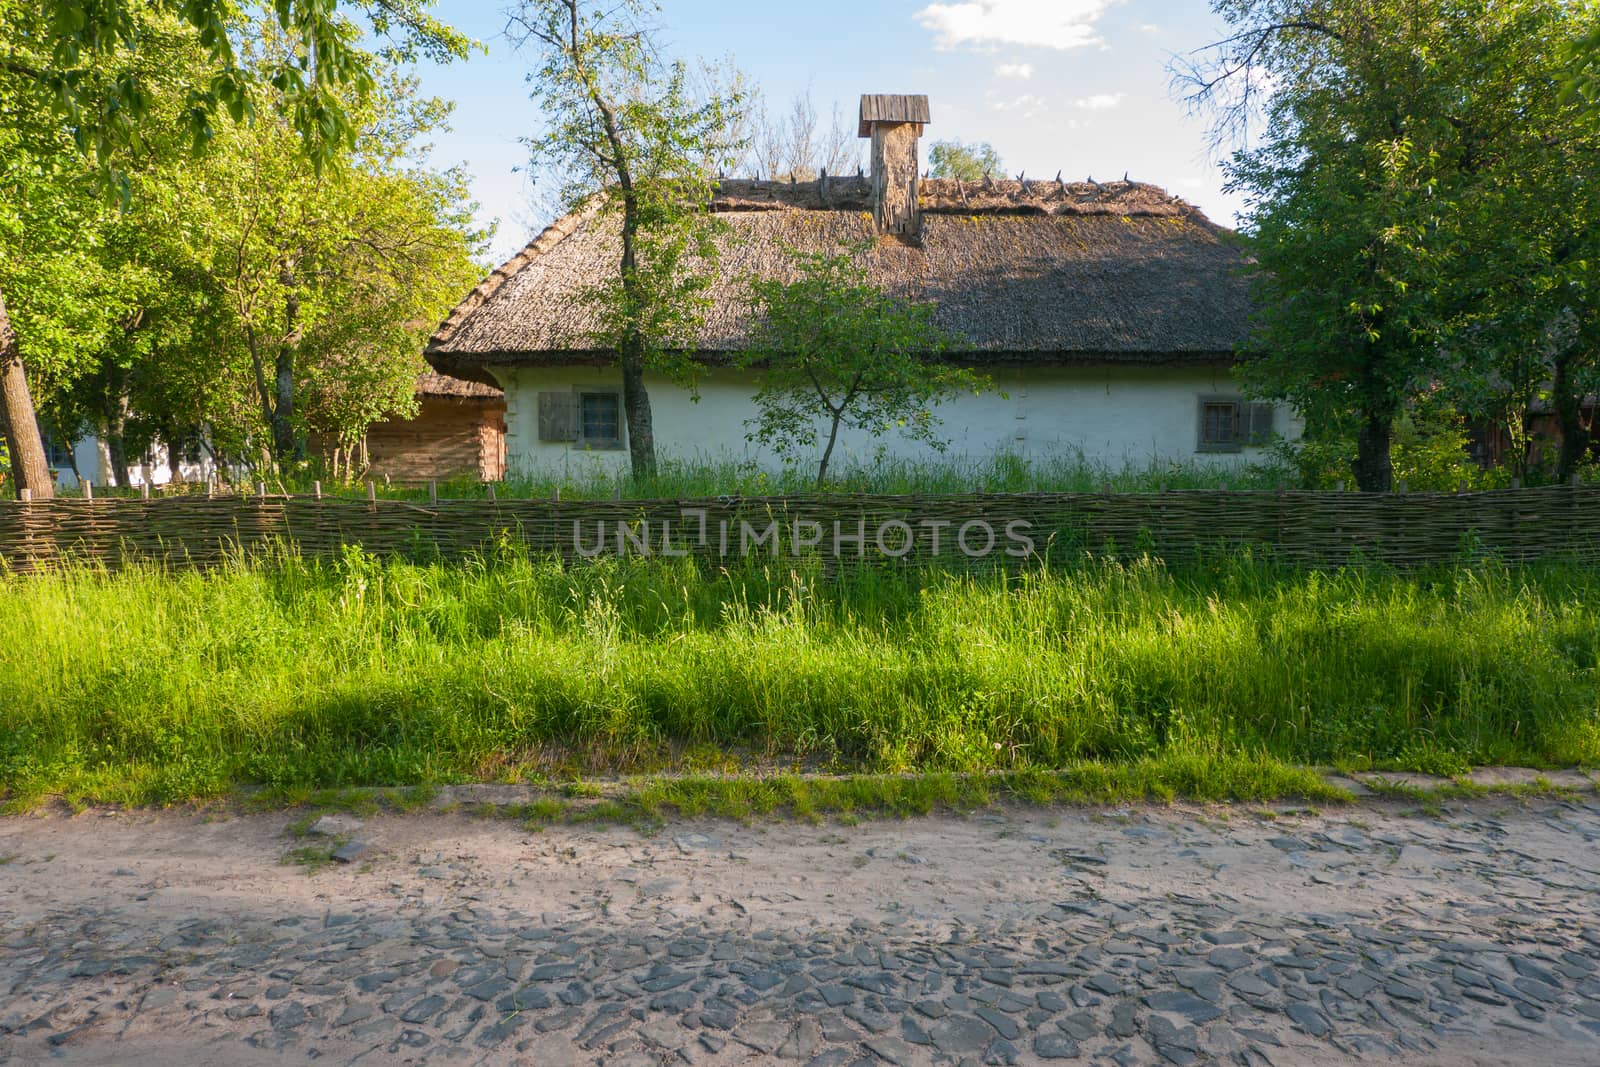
(95, 463)
(1113, 416)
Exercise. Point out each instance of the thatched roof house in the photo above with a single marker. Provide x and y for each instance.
(1065, 282)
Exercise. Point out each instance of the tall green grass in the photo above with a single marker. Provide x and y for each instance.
(676, 478)
(150, 686)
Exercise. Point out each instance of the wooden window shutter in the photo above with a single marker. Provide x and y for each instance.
(558, 416)
(1259, 424)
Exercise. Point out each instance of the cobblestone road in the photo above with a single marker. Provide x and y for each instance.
(1145, 936)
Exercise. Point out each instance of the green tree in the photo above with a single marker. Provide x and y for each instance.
(1529, 335)
(964, 162)
(1582, 81)
(326, 277)
(78, 78)
(833, 351)
(1383, 121)
(630, 137)
(59, 304)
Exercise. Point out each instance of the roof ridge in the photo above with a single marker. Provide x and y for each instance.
(546, 240)
(949, 196)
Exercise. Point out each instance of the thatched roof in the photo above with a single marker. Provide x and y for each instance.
(1021, 272)
(431, 383)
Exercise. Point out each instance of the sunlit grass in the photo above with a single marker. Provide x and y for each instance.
(300, 675)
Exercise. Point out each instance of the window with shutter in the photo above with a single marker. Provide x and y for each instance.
(558, 416)
(1220, 424)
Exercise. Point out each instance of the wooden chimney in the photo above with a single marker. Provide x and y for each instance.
(894, 123)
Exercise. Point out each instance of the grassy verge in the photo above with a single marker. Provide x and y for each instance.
(296, 675)
(1161, 779)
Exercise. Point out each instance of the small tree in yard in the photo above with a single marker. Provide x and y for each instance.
(631, 130)
(836, 352)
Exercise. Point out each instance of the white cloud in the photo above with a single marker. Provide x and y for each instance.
(1027, 105)
(1098, 102)
(1020, 71)
(1149, 27)
(1061, 24)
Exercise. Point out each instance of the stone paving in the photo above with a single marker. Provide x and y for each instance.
(1155, 936)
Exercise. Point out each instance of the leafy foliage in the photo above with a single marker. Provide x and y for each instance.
(244, 296)
(836, 352)
(310, 83)
(103, 91)
(966, 162)
(1401, 204)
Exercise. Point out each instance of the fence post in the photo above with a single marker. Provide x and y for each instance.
(372, 491)
(490, 486)
(261, 490)
(558, 494)
(1105, 488)
(1516, 483)
(1338, 486)
(25, 495)
(1574, 480)
(316, 490)
(88, 489)
(433, 492)
(1401, 488)
(144, 490)
(1462, 488)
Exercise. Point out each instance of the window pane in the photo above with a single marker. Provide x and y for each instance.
(55, 454)
(602, 417)
(1219, 423)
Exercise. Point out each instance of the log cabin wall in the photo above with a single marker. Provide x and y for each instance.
(451, 437)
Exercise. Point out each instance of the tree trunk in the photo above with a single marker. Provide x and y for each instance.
(827, 453)
(1374, 470)
(285, 446)
(174, 464)
(29, 467)
(72, 462)
(1569, 417)
(116, 440)
(635, 399)
(636, 405)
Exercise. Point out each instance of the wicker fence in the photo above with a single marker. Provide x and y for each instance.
(1302, 527)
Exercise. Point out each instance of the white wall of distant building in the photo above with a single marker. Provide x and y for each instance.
(94, 463)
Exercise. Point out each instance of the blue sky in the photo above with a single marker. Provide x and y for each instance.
(1078, 86)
